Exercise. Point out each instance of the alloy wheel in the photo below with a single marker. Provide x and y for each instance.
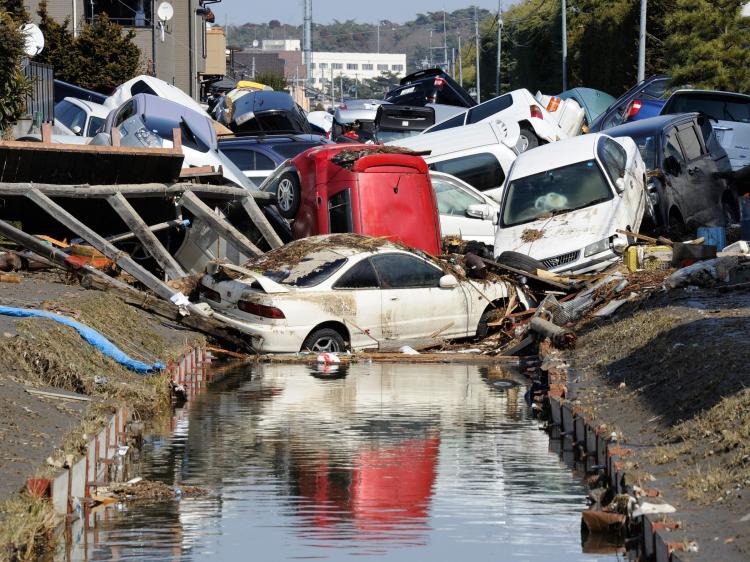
(285, 195)
(326, 345)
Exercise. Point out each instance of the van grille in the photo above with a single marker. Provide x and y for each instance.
(562, 259)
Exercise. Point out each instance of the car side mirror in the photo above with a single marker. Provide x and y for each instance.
(77, 130)
(479, 211)
(448, 282)
(672, 166)
(620, 185)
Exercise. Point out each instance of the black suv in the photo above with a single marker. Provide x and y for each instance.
(429, 86)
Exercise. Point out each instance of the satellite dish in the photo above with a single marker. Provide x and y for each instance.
(165, 12)
(746, 10)
(34, 39)
(255, 43)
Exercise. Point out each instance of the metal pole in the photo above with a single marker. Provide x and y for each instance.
(153, 36)
(75, 17)
(642, 44)
(333, 90)
(460, 63)
(564, 46)
(431, 65)
(307, 31)
(378, 36)
(499, 44)
(341, 87)
(445, 41)
(476, 39)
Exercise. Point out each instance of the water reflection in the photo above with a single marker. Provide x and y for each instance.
(392, 461)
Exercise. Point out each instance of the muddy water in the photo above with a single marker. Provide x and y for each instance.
(376, 462)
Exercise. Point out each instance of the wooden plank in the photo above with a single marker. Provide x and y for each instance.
(149, 240)
(47, 133)
(463, 358)
(122, 259)
(115, 136)
(200, 172)
(62, 395)
(87, 148)
(133, 190)
(261, 222)
(549, 282)
(193, 204)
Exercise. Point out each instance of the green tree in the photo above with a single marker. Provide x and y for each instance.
(14, 87)
(709, 46)
(59, 46)
(273, 79)
(106, 57)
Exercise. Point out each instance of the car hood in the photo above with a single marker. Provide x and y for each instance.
(560, 234)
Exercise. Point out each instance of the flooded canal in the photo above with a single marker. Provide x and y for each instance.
(375, 462)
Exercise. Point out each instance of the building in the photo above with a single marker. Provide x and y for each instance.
(280, 45)
(176, 49)
(357, 66)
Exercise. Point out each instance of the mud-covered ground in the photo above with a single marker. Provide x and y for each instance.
(44, 355)
(671, 373)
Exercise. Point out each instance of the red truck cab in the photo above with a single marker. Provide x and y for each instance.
(383, 195)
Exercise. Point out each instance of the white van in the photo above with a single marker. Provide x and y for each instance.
(563, 203)
(479, 154)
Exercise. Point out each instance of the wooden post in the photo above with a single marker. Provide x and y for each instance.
(115, 136)
(46, 133)
(177, 139)
(121, 258)
(193, 204)
(259, 220)
(149, 240)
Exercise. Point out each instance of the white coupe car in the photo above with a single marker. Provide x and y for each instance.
(337, 291)
(563, 203)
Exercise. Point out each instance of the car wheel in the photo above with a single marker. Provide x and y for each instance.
(520, 261)
(324, 340)
(288, 195)
(528, 139)
(490, 314)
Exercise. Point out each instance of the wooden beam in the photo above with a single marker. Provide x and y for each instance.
(193, 204)
(47, 133)
(199, 172)
(85, 191)
(122, 259)
(149, 240)
(261, 222)
(116, 137)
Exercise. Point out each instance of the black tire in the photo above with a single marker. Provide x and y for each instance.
(324, 340)
(531, 140)
(520, 261)
(288, 194)
(483, 330)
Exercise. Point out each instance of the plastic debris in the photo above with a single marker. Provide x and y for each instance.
(648, 508)
(407, 350)
(328, 358)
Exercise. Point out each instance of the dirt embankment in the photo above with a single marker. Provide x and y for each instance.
(672, 375)
(40, 354)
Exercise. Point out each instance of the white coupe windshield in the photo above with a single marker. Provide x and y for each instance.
(555, 192)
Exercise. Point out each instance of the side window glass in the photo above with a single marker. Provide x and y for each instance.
(399, 271)
(263, 162)
(481, 171)
(672, 150)
(614, 158)
(455, 121)
(340, 212)
(243, 159)
(690, 143)
(489, 108)
(141, 87)
(125, 113)
(451, 199)
(361, 276)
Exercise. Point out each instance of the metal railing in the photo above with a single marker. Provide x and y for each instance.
(40, 103)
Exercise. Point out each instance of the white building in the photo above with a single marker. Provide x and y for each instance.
(280, 45)
(358, 66)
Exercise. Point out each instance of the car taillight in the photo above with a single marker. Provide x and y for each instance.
(327, 134)
(554, 103)
(536, 112)
(260, 310)
(210, 294)
(438, 82)
(342, 106)
(634, 107)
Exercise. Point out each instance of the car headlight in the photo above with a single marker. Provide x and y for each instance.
(619, 244)
(148, 138)
(596, 247)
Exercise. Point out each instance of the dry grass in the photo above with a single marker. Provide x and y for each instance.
(27, 529)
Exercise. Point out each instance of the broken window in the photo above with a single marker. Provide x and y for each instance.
(481, 171)
(399, 271)
(690, 143)
(361, 276)
(340, 212)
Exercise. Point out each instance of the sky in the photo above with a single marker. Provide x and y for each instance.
(237, 12)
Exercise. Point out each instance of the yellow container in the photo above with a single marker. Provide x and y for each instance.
(631, 258)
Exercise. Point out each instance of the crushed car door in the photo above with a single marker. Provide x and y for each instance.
(677, 181)
(413, 303)
(361, 283)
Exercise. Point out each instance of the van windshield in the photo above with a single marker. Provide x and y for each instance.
(555, 192)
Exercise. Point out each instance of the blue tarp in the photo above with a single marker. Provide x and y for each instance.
(89, 334)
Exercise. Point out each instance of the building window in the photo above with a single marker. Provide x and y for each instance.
(382, 67)
(397, 67)
(312, 65)
(337, 65)
(366, 67)
(323, 65)
(352, 66)
(128, 13)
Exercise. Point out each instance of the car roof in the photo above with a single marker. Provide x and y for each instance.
(690, 91)
(163, 108)
(270, 139)
(452, 140)
(95, 109)
(556, 155)
(649, 126)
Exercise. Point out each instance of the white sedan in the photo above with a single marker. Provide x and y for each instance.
(337, 291)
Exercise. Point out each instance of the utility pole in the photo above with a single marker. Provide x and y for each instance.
(460, 63)
(564, 46)
(307, 37)
(153, 33)
(499, 44)
(333, 90)
(445, 41)
(341, 86)
(642, 44)
(476, 40)
(431, 65)
(378, 36)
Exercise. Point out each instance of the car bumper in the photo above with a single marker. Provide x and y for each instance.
(269, 338)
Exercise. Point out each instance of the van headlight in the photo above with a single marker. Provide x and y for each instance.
(596, 248)
(619, 244)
